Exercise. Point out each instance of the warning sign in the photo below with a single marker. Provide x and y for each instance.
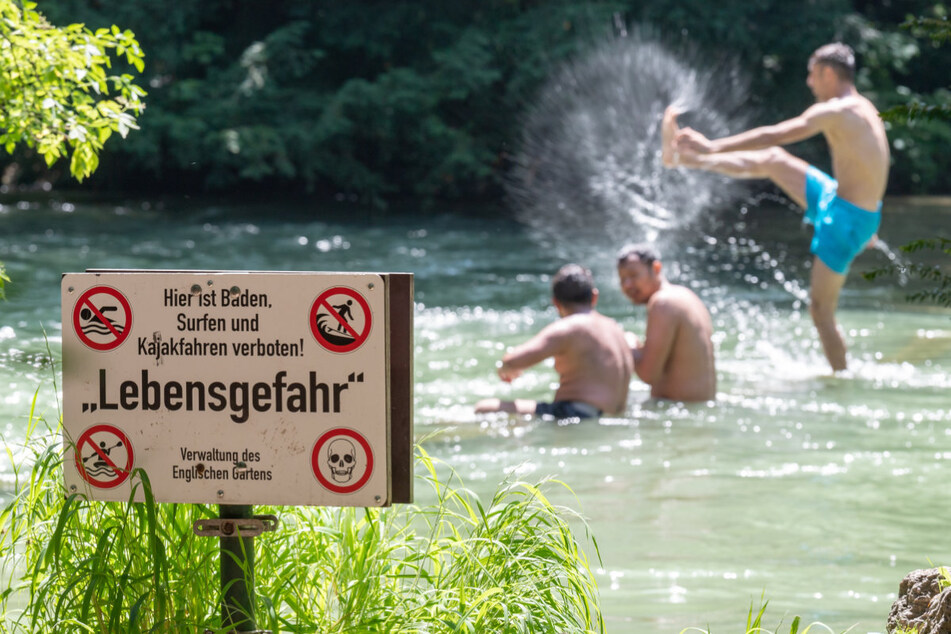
(340, 319)
(104, 456)
(230, 378)
(102, 318)
(342, 460)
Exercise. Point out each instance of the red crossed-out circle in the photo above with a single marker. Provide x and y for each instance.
(316, 461)
(113, 336)
(122, 472)
(358, 337)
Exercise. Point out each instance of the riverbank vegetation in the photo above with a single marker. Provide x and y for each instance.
(61, 98)
(449, 564)
(755, 625)
(378, 101)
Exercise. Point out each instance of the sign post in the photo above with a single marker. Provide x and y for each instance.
(237, 573)
(239, 388)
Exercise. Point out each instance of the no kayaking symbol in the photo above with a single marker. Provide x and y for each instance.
(342, 460)
(102, 318)
(104, 456)
(340, 319)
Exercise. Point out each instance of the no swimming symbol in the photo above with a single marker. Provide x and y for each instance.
(102, 318)
(340, 319)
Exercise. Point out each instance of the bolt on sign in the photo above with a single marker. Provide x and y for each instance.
(231, 387)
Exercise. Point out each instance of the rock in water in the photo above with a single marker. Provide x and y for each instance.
(922, 603)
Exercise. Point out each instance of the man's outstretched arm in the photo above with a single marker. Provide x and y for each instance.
(543, 345)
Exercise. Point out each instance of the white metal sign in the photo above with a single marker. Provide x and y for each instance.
(227, 387)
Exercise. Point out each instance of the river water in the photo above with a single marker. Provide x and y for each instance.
(821, 492)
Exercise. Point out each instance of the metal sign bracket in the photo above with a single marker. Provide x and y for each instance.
(245, 527)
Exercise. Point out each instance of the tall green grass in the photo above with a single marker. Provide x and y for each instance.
(453, 565)
(754, 625)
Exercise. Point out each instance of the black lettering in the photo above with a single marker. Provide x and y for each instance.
(173, 396)
(338, 388)
(296, 397)
(261, 396)
(279, 390)
(151, 393)
(238, 398)
(215, 392)
(318, 387)
(176, 298)
(103, 400)
(239, 402)
(194, 389)
(129, 395)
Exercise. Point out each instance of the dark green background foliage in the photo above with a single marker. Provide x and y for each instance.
(422, 99)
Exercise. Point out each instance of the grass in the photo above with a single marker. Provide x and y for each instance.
(454, 565)
(754, 625)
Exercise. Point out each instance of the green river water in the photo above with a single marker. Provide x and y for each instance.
(820, 491)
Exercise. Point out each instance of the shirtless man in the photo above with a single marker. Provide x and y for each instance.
(845, 210)
(591, 354)
(676, 358)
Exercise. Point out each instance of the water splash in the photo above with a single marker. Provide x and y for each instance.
(900, 264)
(590, 160)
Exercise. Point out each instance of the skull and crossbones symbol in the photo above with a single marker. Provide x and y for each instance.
(341, 458)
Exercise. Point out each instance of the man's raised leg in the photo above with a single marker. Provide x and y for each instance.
(825, 287)
(785, 170)
(668, 132)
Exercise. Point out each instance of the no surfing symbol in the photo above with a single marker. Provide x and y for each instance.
(102, 318)
(104, 456)
(340, 319)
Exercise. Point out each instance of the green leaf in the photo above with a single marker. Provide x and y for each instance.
(56, 79)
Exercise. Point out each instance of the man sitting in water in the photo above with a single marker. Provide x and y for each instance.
(592, 357)
(676, 358)
(845, 210)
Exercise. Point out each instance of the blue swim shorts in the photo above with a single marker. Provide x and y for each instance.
(567, 409)
(841, 229)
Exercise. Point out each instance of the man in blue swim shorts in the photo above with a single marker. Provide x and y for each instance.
(844, 209)
(592, 356)
(842, 230)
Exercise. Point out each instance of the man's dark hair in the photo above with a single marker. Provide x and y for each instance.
(644, 252)
(573, 284)
(837, 56)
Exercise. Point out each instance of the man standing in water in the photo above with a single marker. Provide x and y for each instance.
(591, 354)
(845, 210)
(676, 358)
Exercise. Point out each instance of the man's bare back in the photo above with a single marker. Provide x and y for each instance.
(591, 354)
(594, 364)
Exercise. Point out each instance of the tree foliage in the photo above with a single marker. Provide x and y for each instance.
(938, 30)
(939, 291)
(423, 99)
(58, 95)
